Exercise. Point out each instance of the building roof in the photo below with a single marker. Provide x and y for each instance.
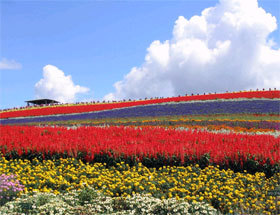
(41, 101)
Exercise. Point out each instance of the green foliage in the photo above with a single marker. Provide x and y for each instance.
(86, 195)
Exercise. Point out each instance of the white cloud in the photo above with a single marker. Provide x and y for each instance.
(55, 85)
(6, 64)
(226, 47)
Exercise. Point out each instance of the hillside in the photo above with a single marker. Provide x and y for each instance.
(214, 154)
(263, 102)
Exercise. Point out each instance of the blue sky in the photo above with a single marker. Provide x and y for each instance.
(97, 43)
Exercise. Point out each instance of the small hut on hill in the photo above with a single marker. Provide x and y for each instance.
(41, 102)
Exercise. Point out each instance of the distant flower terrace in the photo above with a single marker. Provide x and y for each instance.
(96, 106)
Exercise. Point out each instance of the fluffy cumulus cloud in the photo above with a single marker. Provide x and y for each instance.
(56, 85)
(224, 48)
(6, 64)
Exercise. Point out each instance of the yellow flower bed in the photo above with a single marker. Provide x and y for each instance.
(223, 189)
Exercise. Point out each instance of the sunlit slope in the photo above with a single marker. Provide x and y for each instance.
(96, 106)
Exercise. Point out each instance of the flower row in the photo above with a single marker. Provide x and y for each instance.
(261, 123)
(90, 201)
(155, 146)
(107, 106)
(223, 189)
(170, 109)
(241, 125)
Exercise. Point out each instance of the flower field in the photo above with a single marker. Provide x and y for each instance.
(152, 146)
(165, 109)
(225, 190)
(203, 154)
(93, 106)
